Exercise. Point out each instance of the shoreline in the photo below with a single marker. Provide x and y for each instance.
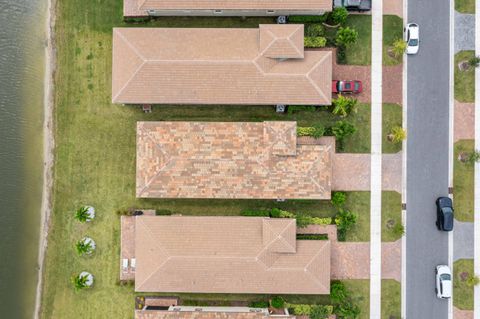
(48, 146)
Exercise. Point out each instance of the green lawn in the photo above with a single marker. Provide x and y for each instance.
(360, 52)
(464, 80)
(359, 202)
(360, 295)
(391, 299)
(95, 160)
(463, 176)
(462, 294)
(465, 6)
(392, 116)
(392, 30)
(391, 215)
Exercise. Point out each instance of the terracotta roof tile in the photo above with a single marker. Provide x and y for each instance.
(227, 255)
(218, 66)
(229, 160)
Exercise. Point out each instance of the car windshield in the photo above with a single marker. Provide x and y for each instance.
(357, 86)
(413, 42)
(447, 210)
(445, 277)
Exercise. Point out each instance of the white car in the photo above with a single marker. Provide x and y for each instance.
(443, 282)
(411, 36)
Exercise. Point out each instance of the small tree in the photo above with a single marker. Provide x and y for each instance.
(346, 36)
(474, 62)
(343, 129)
(319, 312)
(399, 47)
(85, 214)
(397, 135)
(347, 310)
(339, 15)
(314, 30)
(83, 280)
(472, 281)
(343, 106)
(318, 130)
(398, 230)
(338, 292)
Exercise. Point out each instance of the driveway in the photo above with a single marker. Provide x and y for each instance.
(464, 127)
(351, 172)
(463, 240)
(392, 84)
(464, 31)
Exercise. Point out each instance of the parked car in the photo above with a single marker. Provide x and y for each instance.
(412, 38)
(353, 5)
(345, 87)
(443, 282)
(444, 214)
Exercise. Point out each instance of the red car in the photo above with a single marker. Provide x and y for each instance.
(344, 87)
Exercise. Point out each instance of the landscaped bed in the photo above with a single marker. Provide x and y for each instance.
(462, 292)
(391, 117)
(464, 80)
(463, 178)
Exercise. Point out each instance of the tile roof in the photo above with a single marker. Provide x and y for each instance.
(218, 66)
(228, 255)
(229, 160)
(140, 7)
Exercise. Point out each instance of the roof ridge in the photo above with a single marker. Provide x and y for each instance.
(306, 268)
(289, 38)
(314, 67)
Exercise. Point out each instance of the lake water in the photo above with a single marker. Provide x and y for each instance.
(22, 64)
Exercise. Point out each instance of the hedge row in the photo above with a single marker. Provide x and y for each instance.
(314, 42)
(306, 310)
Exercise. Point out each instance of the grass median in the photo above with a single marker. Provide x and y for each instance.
(463, 182)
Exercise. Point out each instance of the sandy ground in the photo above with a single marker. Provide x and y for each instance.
(48, 146)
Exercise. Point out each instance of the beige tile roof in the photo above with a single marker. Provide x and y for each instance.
(228, 255)
(218, 66)
(139, 7)
(229, 160)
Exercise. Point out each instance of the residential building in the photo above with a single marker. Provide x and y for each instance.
(141, 8)
(262, 160)
(213, 254)
(264, 66)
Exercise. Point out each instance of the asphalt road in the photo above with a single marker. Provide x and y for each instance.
(427, 157)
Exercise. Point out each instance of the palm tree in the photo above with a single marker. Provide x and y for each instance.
(474, 62)
(83, 280)
(85, 214)
(399, 47)
(342, 106)
(85, 246)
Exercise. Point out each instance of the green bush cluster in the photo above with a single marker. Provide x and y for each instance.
(302, 220)
(258, 304)
(344, 220)
(297, 108)
(346, 36)
(338, 199)
(277, 302)
(309, 220)
(315, 131)
(343, 106)
(313, 311)
(308, 19)
(312, 236)
(339, 15)
(341, 130)
(341, 298)
(314, 42)
(314, 30)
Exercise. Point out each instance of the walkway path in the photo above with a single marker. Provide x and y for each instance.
(376, 163)
(464, 31)
(463, 240)
(462, 314)
(464, 127)
(346, 165)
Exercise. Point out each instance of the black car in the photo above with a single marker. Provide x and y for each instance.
(444, 214)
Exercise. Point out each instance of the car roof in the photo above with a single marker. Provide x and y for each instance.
(447, 288)
(413, 30)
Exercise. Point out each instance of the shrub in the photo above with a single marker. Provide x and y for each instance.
(338, 15)
(344, 220)
(341, 55)
(316, 131)
(319, 312)
(278, 213)
(343, 106)
(277, 302)
(258, 304)
(399, 47)
(297, 108)
(338, 199)
(163, 212)
(314, 30)
(312, 236)
(397, 135)
(346, 36)
(338, 292)
(473, 157)
(342, 129)
(301, 310)
(308, 19)
(258, 213)
(347, 310)
(305, 220)
(314, 42)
